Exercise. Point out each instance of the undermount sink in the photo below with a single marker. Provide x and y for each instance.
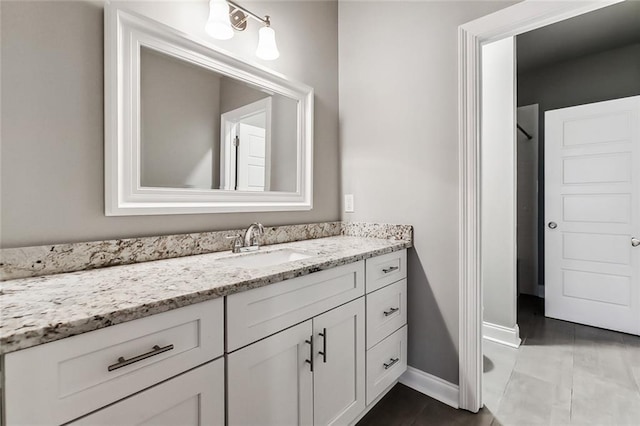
(266, 258)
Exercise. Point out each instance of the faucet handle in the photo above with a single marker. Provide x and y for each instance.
(260, 231)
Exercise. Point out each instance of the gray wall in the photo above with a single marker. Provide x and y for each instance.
(284, 164)
(180, 123)
(599, 77)
(399, 149)
(235, 94)
(603, 76)
(52, 188)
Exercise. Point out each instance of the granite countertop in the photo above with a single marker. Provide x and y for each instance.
(47, 308)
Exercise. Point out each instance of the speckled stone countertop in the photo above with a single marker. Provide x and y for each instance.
(43, 309)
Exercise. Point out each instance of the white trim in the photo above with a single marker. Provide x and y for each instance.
(503, 335)
(430, 385)
(517, 19)
(125, 33)
(541, 291)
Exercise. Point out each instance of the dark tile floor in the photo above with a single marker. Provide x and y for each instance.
(403, 406)
(562, 374)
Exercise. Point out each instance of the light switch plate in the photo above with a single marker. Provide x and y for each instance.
(348, 203)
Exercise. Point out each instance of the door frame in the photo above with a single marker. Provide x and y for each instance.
(511, 21)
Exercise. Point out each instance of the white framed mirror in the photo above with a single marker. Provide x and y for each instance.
(190, 128)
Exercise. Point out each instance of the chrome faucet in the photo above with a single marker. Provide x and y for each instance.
(249, 242)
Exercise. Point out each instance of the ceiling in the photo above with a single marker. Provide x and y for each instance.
(604, 29)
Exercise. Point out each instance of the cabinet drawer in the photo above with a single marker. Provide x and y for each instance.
(193, 398)
(386, 269)
(385, 363)
(258, 313)
(386, 311)
(80, 374)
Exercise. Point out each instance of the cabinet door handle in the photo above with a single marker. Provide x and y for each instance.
(324, 345)
(310, 361)
(122, 362)
(390, 364)
(390, 269)
(390, 311)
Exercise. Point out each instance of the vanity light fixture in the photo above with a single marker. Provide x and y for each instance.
(225, 16)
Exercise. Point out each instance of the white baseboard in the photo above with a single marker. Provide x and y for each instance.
(503, 335)
(432, 386)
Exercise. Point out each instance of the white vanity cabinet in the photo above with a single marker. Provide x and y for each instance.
(327, 353)
(312, 373)
(319, 349)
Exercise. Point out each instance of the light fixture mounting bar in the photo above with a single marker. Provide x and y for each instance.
(248, 13)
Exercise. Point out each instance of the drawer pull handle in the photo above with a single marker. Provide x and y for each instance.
(389, 365)
(122, 362)
(324, 345)
(390, 269)
(390, 311)
(310, 361)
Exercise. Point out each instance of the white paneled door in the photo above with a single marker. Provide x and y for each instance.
(252, 151)
(592, 214)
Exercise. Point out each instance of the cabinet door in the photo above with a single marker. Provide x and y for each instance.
(270, 382)
(193, 398)
(339, 357)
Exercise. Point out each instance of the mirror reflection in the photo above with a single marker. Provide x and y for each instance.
(202, 129)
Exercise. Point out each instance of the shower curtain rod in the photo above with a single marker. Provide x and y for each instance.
(524, 131)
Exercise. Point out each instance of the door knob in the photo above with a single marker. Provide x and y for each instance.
(553, 225)
(635, 242)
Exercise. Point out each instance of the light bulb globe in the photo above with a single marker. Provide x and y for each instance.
(218, 25)
(267, 48)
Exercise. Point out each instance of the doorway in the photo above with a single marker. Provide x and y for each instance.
(508, 22)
